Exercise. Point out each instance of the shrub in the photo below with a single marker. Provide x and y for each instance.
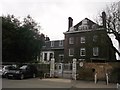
(85, 74)
(114, 76)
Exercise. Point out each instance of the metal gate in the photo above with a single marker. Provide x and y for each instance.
(63, 70)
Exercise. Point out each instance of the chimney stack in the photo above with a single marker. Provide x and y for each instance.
(70, 23)
(104, 19)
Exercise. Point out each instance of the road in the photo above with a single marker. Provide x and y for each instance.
(34, 83)
(52, 83)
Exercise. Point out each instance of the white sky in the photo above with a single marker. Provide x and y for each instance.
(53, 14)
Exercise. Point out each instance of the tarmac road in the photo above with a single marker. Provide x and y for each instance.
(33, 83)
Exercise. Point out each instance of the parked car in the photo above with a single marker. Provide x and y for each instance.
(6, 68)
(24, 71)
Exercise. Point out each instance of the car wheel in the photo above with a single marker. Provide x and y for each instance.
(34, 75)
(22, 76)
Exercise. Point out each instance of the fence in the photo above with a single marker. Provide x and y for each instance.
(63, 70)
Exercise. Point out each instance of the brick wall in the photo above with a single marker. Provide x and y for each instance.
(100, 68)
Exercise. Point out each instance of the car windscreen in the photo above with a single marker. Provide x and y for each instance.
(23, 67)
(9, 67)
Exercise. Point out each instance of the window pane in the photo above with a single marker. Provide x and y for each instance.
(71, 40)
(82, 52)
(52, 43)
(95, 51)
(82, 39)
(61, 57)
(45, 56)
(71, 52)
(61, 43)
(51, 56)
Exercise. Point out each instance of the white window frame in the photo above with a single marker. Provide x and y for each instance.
(95, 51)
(85, 22)
(71, 40)
(71, 52)
(61, 43)
(80, 27)
(82, 50)
(82, 39)
(52, 43)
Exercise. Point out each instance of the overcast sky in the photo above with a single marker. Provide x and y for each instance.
(53, 14)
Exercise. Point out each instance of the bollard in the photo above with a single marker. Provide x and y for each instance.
(44, 75)
(95, 78)
(106, 78)
(117, 85)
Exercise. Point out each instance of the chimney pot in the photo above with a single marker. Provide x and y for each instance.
(70, 23)
(104, 19)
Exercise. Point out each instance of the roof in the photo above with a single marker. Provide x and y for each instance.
(90, 22)
(54, 45)
(85, 25)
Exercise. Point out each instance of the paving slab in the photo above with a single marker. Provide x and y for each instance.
(57, 80)
(83, 84)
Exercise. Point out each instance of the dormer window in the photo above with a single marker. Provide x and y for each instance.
(94, 26)
(80, 28)
(83, 27)
(85, 22)
(86, 27)
(60, 43)
(71, 28)
(52, 43)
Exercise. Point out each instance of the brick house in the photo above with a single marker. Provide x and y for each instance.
(86, 41)
(53, 49)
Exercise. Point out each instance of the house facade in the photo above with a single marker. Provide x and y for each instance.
(85, 41)
(53, 49)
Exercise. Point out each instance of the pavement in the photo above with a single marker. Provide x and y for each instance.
(57, 80)
(55, 83)
(82, 84)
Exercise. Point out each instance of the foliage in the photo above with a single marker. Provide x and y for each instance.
(113, 21)
(43, 67)
(21, 41)
(113, 18)
(85, 74)
(114, 76)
